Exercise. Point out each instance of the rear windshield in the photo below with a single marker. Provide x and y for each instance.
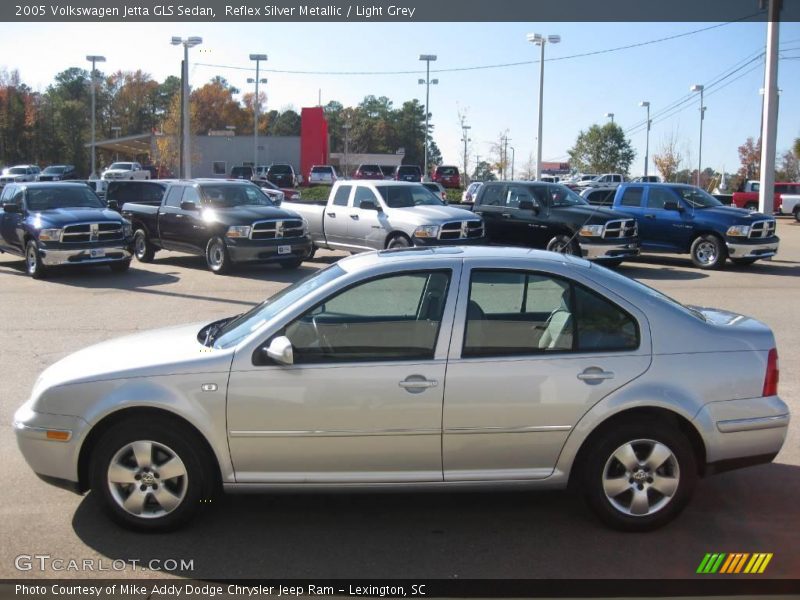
(55, 169)
(228, 196)
(408, 170)
(369, 169)
(62, 197)
(280, 170)
(406, 196)
(241, 171)
(447, 171)
(321, 169)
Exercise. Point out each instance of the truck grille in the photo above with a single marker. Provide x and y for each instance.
(271, 230)
(461, 230)
(620, 229)
(92, 232)
(762, 229)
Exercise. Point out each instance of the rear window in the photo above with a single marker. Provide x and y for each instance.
(241, 171)
(280, 170)
(447, 171)
(140, 191)
(323, 170)
(408, 170)
(369, 169)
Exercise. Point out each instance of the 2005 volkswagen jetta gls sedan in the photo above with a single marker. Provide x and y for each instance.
(438, 368)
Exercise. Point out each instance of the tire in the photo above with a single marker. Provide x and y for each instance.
(708, 252)
(217, 257)
(743, 262)
(399, 241)
(120, 266)
(33, 261)
(312, 253)
(564, 244)
(143, 250)
(797, 214)
(656, 484)
(130, 478)
(751, 206)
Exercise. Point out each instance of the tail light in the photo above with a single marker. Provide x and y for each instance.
(772, 375)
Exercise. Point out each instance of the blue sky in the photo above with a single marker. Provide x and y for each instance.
(578, 92)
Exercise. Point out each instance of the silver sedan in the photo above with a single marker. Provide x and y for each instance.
(424, 368)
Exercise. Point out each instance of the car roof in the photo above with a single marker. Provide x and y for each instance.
(45, 184)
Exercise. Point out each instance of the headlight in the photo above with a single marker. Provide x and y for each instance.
(49, 235)
(56, 178)
(426, 231)
(238, 231)
(592, 230)
(305, 227)
(127, 229)
(738, 230)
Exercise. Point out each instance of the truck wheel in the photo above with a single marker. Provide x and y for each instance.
(743, 262)
(640, 475)
(120, 266)
(143, 250)
(149, 475)
(33, 261)
(797, 213)
(217, 257)
(293, 263)
(399, 241)
(563, 244)
(708, 252)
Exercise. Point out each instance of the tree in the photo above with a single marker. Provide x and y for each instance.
(168, 144)
(602, 149)
(750, 159)
(216, 108)
(796, 148)
(789, 168)
(483, 172)
(287, 123)
(668, 159)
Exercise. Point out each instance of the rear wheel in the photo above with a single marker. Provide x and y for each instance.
(797, 213)
(33, 261)
(217, 257)
(143, 250)
(564, 244)
(708, 252)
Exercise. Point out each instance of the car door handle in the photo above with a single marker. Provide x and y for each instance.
(332, 215)
(179, 216)
(417, 382)
(649, 216)
(595, 374)
(354, 217)
(506, 215)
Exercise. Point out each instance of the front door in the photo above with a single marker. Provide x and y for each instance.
(365, 227)
(171, 218)
(665, 230)
(335, 220)
(362, 401)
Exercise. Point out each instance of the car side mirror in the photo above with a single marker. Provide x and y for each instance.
(672, 205)
(186, 205)
(11, 207)
(370, 205)
(112, 204)
(280, 350)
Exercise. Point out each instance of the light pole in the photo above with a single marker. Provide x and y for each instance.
(513, 160)
(93, 58)
(186, 159)
(427, 82)
(610, 116)
(465, 139)
(346, 128)
(258, 58)
(541, 40)
(646, 105)
(116, 129)
(699, 88)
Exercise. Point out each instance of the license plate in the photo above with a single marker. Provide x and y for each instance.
(97, 252)
(284, 249)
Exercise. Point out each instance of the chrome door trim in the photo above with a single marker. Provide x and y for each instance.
(334, 432)
(500, 429)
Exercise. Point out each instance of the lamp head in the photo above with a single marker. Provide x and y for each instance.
(696, 88)
(427, 57)
(258, 57)
(644, 104)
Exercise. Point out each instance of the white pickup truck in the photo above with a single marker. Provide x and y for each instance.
(126, 170)
(373, 215)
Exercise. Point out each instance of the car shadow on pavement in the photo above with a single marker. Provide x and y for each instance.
(466, 535)
(95, 276)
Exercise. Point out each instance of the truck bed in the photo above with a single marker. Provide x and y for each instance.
(313, 213)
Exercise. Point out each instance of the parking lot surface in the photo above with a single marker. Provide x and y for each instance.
(419, 535)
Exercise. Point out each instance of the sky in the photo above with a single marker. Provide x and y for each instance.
(578, 92)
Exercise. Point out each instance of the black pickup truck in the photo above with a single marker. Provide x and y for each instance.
(227, 221)
(553, 217)
(54, 224)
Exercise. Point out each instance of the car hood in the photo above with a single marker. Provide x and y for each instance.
(739, 215)
(244, 215)
(434, 214)
(595, 214)
(67, 216)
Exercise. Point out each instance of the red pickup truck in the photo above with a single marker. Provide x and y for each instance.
(748, 197)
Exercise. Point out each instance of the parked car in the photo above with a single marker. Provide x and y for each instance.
(468, 195)
(646, 179)
(452, 369)
(602, 180)
(387, 171)
(373, 215)
(58, 173)
(550, 178)
(368, 172)
(282, 175)
(553, 217)
(407, 173)
(748, 197)
(322, 174)
(448, 176)
(125, 170)
(684, 219)
(790, 203)
(436, 188)
(61, 224)
(285, 193)
(599, 196)
(228, 222)
(19, 174)
(142, 192)
(246, 173)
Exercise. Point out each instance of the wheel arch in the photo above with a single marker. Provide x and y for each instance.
(396, 234)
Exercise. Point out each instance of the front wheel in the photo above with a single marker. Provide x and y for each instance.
(33, 261)
(640, 475)
(217, 257)
(708, 252)
(563, 244)
(797, 214)
(143, 250)
(399, 241)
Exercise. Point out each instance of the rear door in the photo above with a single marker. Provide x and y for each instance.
(10, 221)
(336, 217)
(490, 204)
(170, 219)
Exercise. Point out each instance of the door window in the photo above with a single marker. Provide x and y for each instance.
(364, 194)
(632, 197)
(174, 196)
(190, 194)
(342, 195)
(389, 318)
(515, 194)
(657, 197)
(492, 196)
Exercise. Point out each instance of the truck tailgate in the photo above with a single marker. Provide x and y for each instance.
(314, 214)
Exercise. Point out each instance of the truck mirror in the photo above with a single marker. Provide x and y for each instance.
(280, 350)
(11, 207)
(186, 205)
(112, 204)
(370, 205)
(672, 205)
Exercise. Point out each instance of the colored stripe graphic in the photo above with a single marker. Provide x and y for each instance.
(734, 563)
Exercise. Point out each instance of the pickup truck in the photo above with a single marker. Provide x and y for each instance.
(682, 219)
(372, 215)
(54, 224)
(229, 222)
(551, 216)
(125, 170)
(602, 180)
(748, 197)
(19, 174)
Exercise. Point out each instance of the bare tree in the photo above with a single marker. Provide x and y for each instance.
(668, 159)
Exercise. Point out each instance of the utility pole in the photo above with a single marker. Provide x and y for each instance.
(427, 82)
(346, 128)
(513, 160)
(94, 59)
(464, 132)
(186, 163)
(258, 58)
(646, 104)
(700, 88)
(541, 40)
(769, 132)
(505, 155)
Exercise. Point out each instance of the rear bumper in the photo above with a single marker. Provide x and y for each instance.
(613, 249)
(244, 250)
(753, 250)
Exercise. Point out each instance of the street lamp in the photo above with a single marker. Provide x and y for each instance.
(258, 58)
(186, 154)
(646, 104)
(513, 160)
(610, 116)
(116, 129)
(93, 58)
(465, 139)
(346, 128)
(541, 40)
(428, 58)
(699, 88)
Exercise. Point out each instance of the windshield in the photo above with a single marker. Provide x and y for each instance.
(54, 169)
(447, 171)
(406, 196)
(697, 198)
(239, 328)
(227, 196)
(122, 166)
(563, 196)
(48, 198)
(280, 170)
(17, 171)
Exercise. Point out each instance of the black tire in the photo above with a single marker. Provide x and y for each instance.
(743, 262)
(312, 253)
(399, 241)
(165, 439)
(33, 261)
(217, 257)
(708, 252)
(293, 263)
(120, 266)
(143, 250)
(564, 244)
(751, 206)
(604, 474)
(797, 214)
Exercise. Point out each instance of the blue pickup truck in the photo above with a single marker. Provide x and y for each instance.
(685, 219)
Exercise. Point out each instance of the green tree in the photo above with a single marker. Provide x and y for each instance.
(287, 123)
(602, 149)
(483, 172)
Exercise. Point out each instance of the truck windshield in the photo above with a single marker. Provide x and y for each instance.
(561, 195)
(697, 198)
(406, 196)
(280, 170)
(17, 171)
(228, 196)
(54, 169)
(122, 166)
(50, 198)
(237, 329)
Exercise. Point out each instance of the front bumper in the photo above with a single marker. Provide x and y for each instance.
(85, 253)
(247, 250)
(609, 249)
(755, 249)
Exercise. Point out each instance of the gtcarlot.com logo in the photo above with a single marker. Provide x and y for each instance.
(46, 562)
(734, 563)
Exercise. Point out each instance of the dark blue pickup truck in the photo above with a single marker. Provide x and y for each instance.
(685, 219)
